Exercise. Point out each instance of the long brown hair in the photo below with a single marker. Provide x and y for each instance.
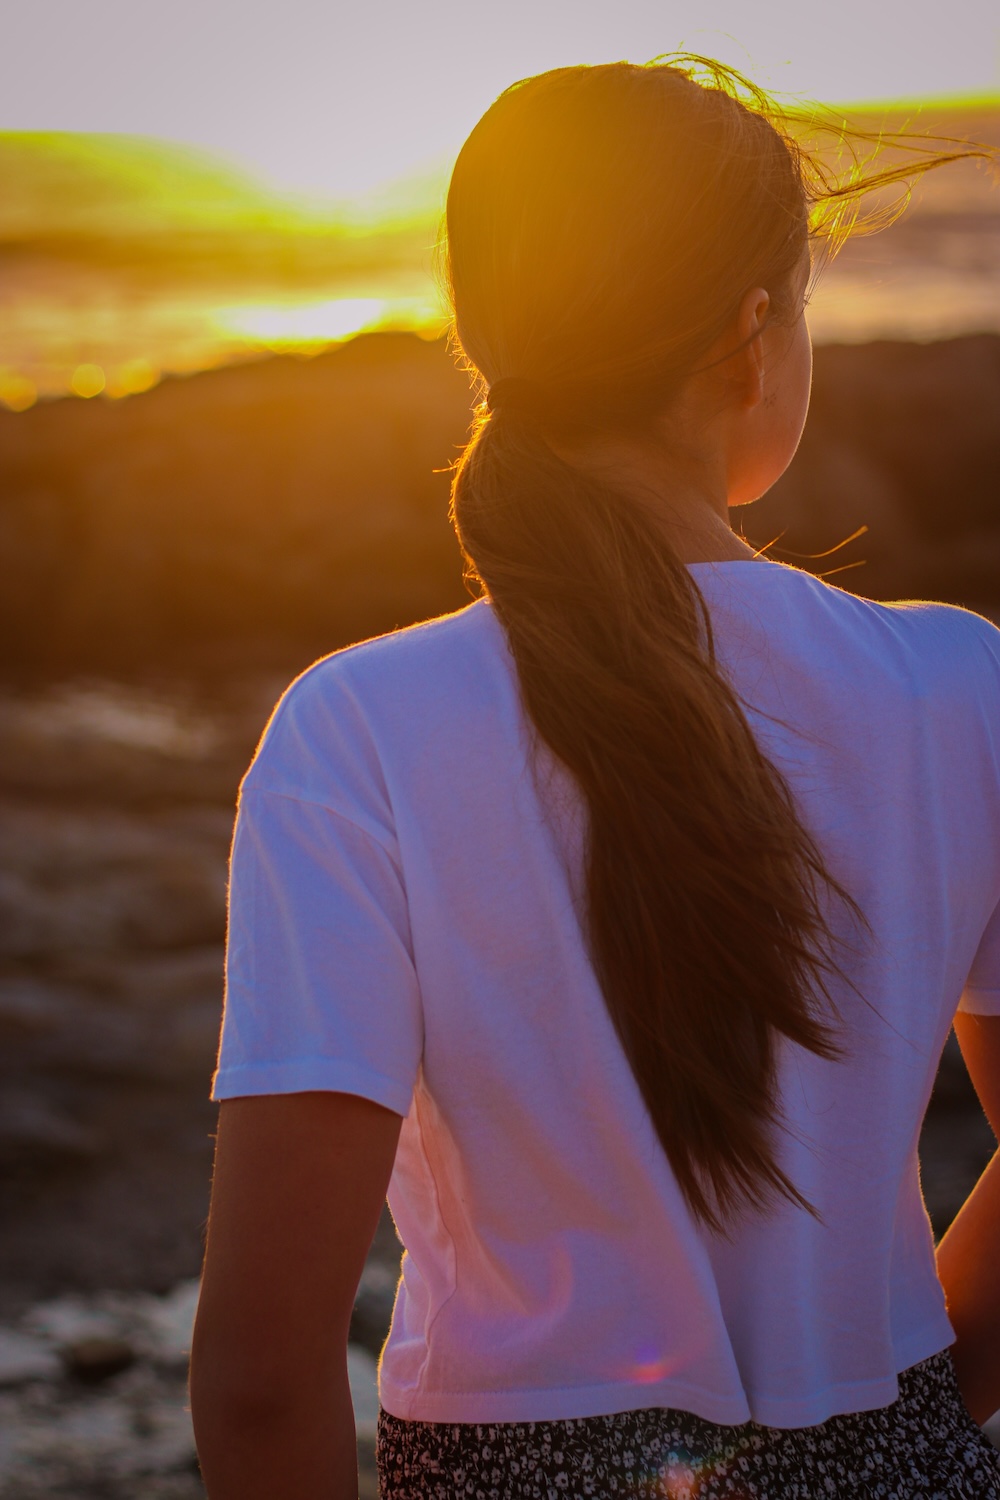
(603, 225)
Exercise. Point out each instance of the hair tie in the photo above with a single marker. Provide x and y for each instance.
(513, 393)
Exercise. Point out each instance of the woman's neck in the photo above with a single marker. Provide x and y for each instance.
(687, 502)
(700, 534)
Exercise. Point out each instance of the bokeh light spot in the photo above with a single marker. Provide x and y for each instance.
(133, 377)
(17, 392)
(88, 380)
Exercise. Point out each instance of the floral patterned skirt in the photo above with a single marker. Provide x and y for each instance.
(925, 1446)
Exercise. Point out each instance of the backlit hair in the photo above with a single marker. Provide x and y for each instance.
(604, 224)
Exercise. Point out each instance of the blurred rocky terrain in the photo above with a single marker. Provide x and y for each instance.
(268, 512)
(116, 812)
(169, 562)
(903, 439)
(115, 817)
(93, 1399)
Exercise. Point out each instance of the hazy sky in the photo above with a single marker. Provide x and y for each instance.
(340, 97)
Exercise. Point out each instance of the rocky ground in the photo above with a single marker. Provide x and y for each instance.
(116, 813)
(93, 1398)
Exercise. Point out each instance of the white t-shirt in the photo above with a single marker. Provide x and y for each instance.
(404, 925)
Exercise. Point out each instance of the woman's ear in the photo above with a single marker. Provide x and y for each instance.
(751, 321)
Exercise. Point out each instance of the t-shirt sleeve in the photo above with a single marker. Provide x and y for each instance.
(981, 996)
(321, 990)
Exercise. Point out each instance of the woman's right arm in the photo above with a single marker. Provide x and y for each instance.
(968, 1257)
(300, 1180)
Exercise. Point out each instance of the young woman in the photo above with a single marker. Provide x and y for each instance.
(615, 924)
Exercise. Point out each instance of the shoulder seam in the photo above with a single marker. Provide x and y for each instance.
(267, 791)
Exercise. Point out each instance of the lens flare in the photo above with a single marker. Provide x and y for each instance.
(651, 1363)
(683, 1475)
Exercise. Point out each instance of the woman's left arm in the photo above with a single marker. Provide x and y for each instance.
(299, 1183)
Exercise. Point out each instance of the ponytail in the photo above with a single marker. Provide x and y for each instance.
(603, 225)
(704, 925)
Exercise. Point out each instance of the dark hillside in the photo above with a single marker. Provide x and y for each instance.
(277, 510)
(274, 505)
(905, 439)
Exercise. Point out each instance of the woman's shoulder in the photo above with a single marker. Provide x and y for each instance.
(941, 641)
(938, 635)
(396, 652)
(879, 656)
(336, 718)
(424, 662)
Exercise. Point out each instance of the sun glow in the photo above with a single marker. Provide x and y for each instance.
(301, 323)
(310, 323)
(165, 223)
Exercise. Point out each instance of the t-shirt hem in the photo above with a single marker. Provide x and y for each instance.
(577, 1402)
(308, 1075)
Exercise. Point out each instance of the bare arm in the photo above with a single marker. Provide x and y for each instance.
(968, 1257)
(299, 1183)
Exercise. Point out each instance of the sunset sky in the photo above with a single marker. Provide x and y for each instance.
(339, 99)
(323, 132)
